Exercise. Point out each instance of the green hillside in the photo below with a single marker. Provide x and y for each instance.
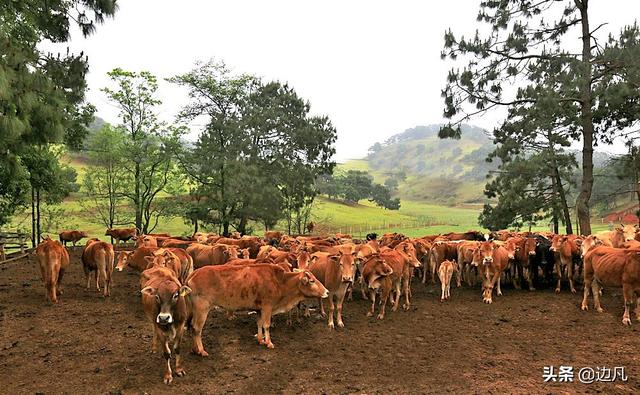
(443, 171)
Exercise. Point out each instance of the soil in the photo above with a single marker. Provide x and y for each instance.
(89, 344)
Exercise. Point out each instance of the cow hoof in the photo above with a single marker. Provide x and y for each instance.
(168, 379)
(180, 372)
(340, 324)
(584, 307)
(442, 299)
(330, 325)
(270, 345)
(557, 290)
(202, 353)
(573, 291)
(626, 321)
(499, 293)
(531, 289)
(369, 314)
(380, 316)
(600, 310)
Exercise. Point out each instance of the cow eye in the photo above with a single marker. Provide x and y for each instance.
(175, 295)
(312, 281)
(158, 298)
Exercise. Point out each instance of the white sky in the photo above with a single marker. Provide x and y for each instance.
(373, 67)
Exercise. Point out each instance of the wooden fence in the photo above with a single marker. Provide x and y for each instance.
(13, 241)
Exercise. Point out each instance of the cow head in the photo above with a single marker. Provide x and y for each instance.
(91, 241)
(409, 250)
(232, 252)
(347, 264)
(556, 242)
(109, 232)
(530, 245)
(512, 247)
(589, 243)
(373, 269)
(486, 252)
(84, 234)
(310, 286)
(303, 259)
(244, 253)
(165, 296)
(123, 257)
(629, 232)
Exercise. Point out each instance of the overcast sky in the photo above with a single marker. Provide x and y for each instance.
(373, 67)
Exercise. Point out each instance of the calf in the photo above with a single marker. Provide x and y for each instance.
(336, 273)
(121, 234)
(98, 257)
(444, 273)
(71, 235)
(267, 288)
(204, 255)
(148, 241)
(163, 301)
(53, 260)
(612, 267)
(465, 251)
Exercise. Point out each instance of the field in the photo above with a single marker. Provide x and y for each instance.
(90, 344)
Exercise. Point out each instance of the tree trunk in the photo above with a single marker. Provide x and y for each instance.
(563, 201)
(242, 226)
(586, 118)
(38, 230)
(137, 202)
(225, 228)
(34, 240)
(555, 222)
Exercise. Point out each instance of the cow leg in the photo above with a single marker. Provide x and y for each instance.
(496, 282)
(260, 324)
(200, 312)
(340, 299)
(443, 293)
(154, 340)
(373, 304)
(585, 297)
(331, 310)
(176, 348)
(363, 289)
(396, 301)
(627, 291)
(322, 312)
(570, 275)
(103, 274)
(407, 293)
(595, 288)
(97, 278)
(425, 269)
(458, 278)
(383, 301)
(559, 273)
(266, 322)
(307, 310)
(433, 271)
(59, 289)
(166, 353)
(87, 275)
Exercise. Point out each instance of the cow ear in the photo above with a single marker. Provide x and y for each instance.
(148, 291)
(336, 258)
(185, 290)
(304, 280)
(149, 259)
(578, 242)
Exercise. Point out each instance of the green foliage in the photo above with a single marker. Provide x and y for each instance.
(143, 150)
(260, 151)
(41, 94)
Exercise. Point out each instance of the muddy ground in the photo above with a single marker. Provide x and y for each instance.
(88, 344)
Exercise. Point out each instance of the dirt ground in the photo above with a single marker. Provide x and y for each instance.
(88, 344)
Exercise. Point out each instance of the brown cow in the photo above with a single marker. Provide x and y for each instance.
(122, 234)
(53, 260)
(272, 235)
(402, 260)
(175, 243)
(173, 259)
(444, 273)
(98, 257)
(336, 273)
(267, 288)
(612, 267)
(163, 301)
(491, 260)
(465, 251)
(440, 251)
(520, 249)
(590, 242)
(204, 255)
(376, 275)
(148, 241)
(567, 248)
(72, 235)
(136, 259)
(252, 244)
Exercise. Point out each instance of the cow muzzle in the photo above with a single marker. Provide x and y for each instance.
(325, 294)
(347, 279)
(164, 319)
(488, 261)
(532, 253)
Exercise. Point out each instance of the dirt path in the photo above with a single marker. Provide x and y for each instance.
(87, 344)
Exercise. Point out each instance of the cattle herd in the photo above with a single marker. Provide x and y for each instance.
(183, 278)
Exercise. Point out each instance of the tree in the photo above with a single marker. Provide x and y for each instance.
(149, 144)
(381, 196)
(260, 152)
(41, 94)
(355, 185)
(104, 184)
(527, 40)
(50, 182)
